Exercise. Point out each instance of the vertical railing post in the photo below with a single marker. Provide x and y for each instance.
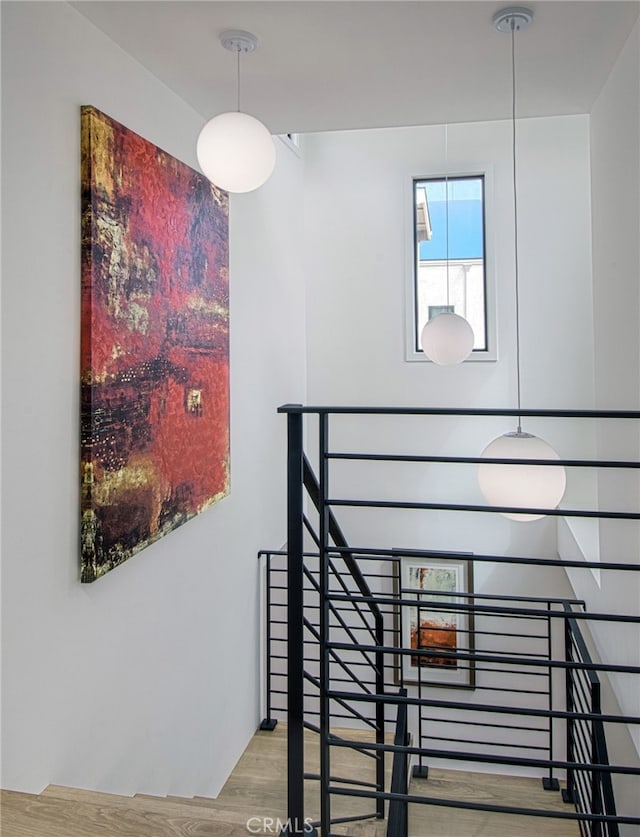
(420, 770)
(268, 723)
(325, 707)
(568, 794)
(380, 754)
(596, 775)
(550, 782)
(295, 627)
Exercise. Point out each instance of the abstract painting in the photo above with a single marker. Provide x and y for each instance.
(431, 628)
(154, 344)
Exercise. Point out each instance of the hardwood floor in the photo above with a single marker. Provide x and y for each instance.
(257, 790)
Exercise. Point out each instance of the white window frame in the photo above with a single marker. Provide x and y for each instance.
(491, 352)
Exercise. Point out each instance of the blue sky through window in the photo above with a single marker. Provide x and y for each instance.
(466, 236)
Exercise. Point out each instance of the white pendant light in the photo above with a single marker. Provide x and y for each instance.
(235, 151)
(519, 484)
(447, 339)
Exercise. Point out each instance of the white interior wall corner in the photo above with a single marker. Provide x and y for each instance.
(145, 681)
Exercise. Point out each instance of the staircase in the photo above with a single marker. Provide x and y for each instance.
(380, 637)
(254, 797)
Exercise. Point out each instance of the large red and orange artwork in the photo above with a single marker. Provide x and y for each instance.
(154, 346)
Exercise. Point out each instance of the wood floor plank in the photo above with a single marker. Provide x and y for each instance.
(50, 817)
(257, 788)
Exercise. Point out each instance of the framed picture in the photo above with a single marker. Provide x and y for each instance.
(435, 584)
(154, 344)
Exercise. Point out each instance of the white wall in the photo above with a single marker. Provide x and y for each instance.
(358, 207)
(146, 680)
(358, 225)
(580, 335)
(615, 176)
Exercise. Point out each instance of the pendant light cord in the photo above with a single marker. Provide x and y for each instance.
(515, 210)
(446, 203)
(238, 80)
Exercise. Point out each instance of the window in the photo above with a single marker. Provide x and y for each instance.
(449, 258)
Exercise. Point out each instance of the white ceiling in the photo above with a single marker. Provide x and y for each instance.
(337, 65)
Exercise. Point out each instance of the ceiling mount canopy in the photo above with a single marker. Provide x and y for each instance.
(516, 17)
(237, 40)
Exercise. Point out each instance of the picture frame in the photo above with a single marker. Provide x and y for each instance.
(154, 371)
(437, 581)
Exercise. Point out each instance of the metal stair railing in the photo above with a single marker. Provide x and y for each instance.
(586, 741)
(600, 817)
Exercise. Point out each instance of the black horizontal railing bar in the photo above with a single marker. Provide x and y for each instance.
(584, 615)
(520, 761)
(354, 663)
(484, 460)
(486, 658)
(512, 691)
(282, 587)
(491, 707)
(472, 507)
(393, 552)
(302, 409)
(484, 724)
(353, 745)
(512, 654)
(497, 633)
(337, 680)
(482, 743)
(482, 806)
(339, 715)
(352, 712)
(354, 818)
(495, 669)
(340, 780)
(583, 776)
(497, 597)
(493, 688)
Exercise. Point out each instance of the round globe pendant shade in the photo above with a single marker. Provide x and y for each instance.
(447, 339)
(527, 486)
(236, 152)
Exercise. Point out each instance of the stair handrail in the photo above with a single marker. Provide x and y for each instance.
(601, 780)
(312, 487)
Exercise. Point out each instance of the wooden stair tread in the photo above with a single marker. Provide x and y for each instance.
(257, 788)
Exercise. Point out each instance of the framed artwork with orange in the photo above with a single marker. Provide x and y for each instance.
(439, 630)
